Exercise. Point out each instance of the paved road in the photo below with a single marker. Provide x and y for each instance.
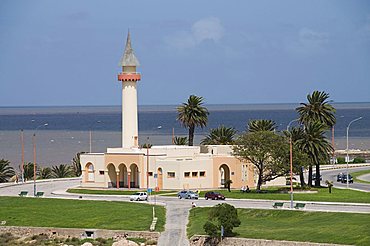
(177, 210)
(332, 175)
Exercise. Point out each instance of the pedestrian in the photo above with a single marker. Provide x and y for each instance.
(193, 205)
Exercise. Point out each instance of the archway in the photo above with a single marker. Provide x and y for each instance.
(134, 178)
(160, 178)
(224, 172)
(122, 175)
(112, 175)
(89, 171)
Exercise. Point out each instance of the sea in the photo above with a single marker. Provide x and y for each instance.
(68, 128)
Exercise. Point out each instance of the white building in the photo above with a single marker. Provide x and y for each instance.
(165, 167)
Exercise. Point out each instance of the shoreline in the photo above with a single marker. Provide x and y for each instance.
(55, 147)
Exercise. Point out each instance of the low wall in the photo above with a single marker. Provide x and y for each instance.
(21, 231)
(197, 240)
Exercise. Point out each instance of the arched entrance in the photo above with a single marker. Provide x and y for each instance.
(160, 178)
(224, 171)
(122, 175)
(134, 178)
(112, 175)
(89, 171)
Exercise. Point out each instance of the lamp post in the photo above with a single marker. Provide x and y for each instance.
(34, 157)
(291, 162)
(90, 132)
(347, 157)
(22, 159)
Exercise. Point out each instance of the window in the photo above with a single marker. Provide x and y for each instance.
(194, 174)
(150, 173)
(170, 174)
(101, 172)
(186, 174)
(202, 173)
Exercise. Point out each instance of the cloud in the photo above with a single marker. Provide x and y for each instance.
(308, 41)
(205, 29)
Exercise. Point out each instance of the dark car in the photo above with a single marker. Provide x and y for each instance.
(214, 196)
(340, 177)
(344, 178)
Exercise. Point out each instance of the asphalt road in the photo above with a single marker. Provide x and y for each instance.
(332, 176)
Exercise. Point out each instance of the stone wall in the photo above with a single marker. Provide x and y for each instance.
(197, 240)
(78, 233)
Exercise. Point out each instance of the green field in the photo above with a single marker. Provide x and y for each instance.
(337, 195)
(319, 227)
(44, 212)
(113, 192)
(359, 173)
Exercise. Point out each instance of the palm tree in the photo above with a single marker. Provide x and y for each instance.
(62, 171)
(315, 145)
(76, 164)
(318, 109)
(299, 157)
(28, 171)
(44, 173)
(180, 141)
(6, 171)
(192, 114)
(220, 136)
(261, 125)
(146, 146)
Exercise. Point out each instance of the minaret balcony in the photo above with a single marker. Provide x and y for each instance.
(129, 76)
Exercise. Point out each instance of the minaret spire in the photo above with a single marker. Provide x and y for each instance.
(129, 58)
(129, 77)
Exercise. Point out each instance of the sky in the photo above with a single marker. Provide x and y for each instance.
(62, 53)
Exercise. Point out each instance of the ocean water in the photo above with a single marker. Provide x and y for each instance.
(68, 127)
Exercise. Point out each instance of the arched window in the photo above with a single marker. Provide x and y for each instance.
(90, 172)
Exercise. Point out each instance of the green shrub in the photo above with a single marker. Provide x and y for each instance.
(359, 160)
(224, 215)
(341, 160)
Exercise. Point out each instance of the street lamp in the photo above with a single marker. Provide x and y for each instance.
(90, 133)
(347, 158)
(291, 162)
(34, 157)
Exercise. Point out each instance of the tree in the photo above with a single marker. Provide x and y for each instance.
(6, 171)
(267, 151)
(44, 173)
(28, 171)
(317, 109)
(220, 136)
(76, 164)
(62, 171)
(146, 146)
(317, 148)
(192, 114)
(228, 183)
(224, 215)
(300, 159)
(181, 141)
(261, 125)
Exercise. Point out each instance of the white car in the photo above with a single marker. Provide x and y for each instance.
(139, 196)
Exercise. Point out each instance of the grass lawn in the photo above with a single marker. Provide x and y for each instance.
(337, 195)
(113, 192)
(359, 173)
(320, 227)
(44, 212)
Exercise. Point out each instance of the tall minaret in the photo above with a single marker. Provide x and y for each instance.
(129, 76)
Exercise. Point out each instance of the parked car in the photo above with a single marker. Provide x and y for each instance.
(314, 176)
(214, 196)
(187, 194)
(344, 178)
(139, 196)
(340, 177)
